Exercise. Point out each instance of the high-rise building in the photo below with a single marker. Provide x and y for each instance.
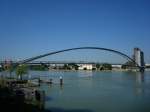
(139, 57)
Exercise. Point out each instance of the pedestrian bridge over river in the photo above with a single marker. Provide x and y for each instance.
(128, 58)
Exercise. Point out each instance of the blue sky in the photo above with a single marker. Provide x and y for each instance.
(33, 27)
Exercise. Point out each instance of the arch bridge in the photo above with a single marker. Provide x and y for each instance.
(78, 48)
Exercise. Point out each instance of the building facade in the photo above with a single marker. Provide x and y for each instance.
(85, 66)
(138, 57)
(116, 66)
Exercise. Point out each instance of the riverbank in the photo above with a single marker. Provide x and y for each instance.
(19, 99)
(10, 101)
(113, 70)
(147, 69)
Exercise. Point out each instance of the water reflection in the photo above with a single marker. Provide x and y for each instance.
(139, 77)
(139, 82)
(85, 74)
(61, 87)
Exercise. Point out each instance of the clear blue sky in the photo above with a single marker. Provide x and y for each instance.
(33, 27)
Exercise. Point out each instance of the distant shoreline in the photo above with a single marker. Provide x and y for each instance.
(113, 70)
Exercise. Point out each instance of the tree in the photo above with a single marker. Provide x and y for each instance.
(101, 68)
(9, 68)
(85, 68)
(41, 67)
(98, 66)
(93, 68)
(73, 66)
(1, 68)
(76, 67)
(21, 70)
(107, 66)
(66, 67)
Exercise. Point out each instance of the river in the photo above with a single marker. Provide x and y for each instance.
(87, 91)
(93, 91)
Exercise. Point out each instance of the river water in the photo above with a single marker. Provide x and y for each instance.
(87, 91)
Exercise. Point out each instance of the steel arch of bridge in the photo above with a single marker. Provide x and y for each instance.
(65, 50)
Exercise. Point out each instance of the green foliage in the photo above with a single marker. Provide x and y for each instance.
(98, 65)
(21, 70)
(93, 68)
(39, 67)
(124, 67)
(73, 66)
(107, 66)
(76, 67)
(104, 66)
(66, 67)
(1, 69)
(147, 66)
(84, 68)
(128, 64)
(101, 68)
(10, 69)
